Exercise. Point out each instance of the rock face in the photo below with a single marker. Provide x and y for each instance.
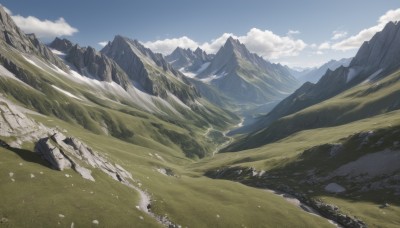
(149, 72)
(246, 77)
(334, 188)
(90, 63)
(188, 60)
(15, 123)
(62, 45)
(382, 51)
(66, 152)
(13, 36)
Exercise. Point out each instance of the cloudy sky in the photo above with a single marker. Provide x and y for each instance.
(297, 33)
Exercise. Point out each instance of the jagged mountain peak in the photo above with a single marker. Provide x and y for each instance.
(149, 71)
(187, 60)
(63, 45)
(13, 36)
(89, 62)
(382, 51)
(234, 45)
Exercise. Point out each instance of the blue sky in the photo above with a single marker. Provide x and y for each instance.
(298, 33)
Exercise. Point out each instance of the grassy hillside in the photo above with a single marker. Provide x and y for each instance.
(288, 162)
(366, 100)
(188, 198)
(108, 111)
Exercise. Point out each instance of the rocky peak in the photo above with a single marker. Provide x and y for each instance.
(199, 51)
(149, 71)
(14, 37)
(91, 63)
(382, 51)
(62, 45)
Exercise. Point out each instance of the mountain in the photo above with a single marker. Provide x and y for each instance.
(80, 149)
(26, 43)
(374, 68)
(315, 74)
(148, 71)
(89, 89)
(189, 61)
(91, 63)
(245, 77)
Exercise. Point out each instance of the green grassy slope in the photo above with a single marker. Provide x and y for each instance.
(363, 101)
(187, 198)
(111, 113)
(288, 161)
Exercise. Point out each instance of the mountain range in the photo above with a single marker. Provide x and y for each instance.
(313, 75)
(189, 61)
(375, 60)
(126, 137)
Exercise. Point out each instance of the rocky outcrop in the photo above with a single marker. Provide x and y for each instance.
(149, 71)
(251, 177)
(66, 152)
(15, 123)
(14, 37)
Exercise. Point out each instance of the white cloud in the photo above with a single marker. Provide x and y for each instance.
(355, 41)
(319, 53)
(168, 45)
(271, 46)
(103, 43)
(293, 32)
(46, 28)
(338, 35)
(264, 43)
(324, 46)
(42, 28)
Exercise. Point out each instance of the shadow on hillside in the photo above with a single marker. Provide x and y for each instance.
(26, 155)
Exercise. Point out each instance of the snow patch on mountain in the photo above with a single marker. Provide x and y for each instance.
(65, 92)
(58, 53)
(213, 77)
(194, 74)
(353, 72)
(33, 62)
(372, 76)
(203, 67)
(175, 99)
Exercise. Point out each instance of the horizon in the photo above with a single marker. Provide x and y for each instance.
(275, 33)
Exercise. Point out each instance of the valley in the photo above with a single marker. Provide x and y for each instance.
(129, 137)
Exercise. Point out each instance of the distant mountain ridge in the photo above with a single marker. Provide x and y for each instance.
(188, 60)
(315, 74)
(246, 77)
(149, 72)
(91, 63)
(375, 61)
